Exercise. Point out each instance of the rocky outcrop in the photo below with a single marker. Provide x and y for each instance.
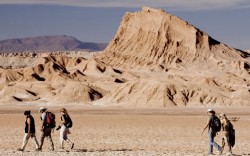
(192, 67)
(158, 40)
(155, 60)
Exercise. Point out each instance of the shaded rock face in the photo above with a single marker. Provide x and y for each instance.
(155, 60)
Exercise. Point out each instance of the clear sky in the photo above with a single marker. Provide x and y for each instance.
(97, 20)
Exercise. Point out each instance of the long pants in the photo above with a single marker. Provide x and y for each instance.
(26, 139)
(211, 136)
(47, 133)
(64, 135)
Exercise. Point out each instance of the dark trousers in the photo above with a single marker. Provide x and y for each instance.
(46, 133)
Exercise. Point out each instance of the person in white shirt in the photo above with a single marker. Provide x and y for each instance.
(46, 131)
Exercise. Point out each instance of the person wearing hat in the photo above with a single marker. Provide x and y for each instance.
(46, 131)
(211, 132)
(30, 131)
(227, 127)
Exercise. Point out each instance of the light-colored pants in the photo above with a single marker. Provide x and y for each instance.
(211, 136)
(26, 139)
(64, 135)
(226, 141)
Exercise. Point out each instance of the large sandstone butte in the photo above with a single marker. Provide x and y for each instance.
(158, 41)
(175, 63)
(154, 60)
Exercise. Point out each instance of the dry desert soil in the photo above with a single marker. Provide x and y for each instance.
(119, 131)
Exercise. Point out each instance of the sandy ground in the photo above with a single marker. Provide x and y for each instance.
(107, 131)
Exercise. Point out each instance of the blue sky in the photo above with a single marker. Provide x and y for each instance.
(97, 20)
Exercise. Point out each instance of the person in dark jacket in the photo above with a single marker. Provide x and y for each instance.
(30, 131)
(211, 133)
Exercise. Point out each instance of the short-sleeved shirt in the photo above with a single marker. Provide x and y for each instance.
(43, 116)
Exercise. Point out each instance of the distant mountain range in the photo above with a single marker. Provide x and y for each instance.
(49, 43)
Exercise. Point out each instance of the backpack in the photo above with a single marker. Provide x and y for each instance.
(232, 137)
(215, 124)
(50, 120)
(69, 123)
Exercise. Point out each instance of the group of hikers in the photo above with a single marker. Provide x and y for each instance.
(214, 125)
(47, 126)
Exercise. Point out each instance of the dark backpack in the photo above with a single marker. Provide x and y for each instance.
(215, 124)
(50, 120)
(69, 122)
(232, 137)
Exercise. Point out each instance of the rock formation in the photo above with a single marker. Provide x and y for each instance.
(155, 60)
(157, 40)
(192, 67)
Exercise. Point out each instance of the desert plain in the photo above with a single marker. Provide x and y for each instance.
(118, 131)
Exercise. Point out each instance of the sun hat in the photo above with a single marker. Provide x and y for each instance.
(210, 110)
(42, 108)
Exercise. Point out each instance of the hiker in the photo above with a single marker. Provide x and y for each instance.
(212, 131)
(64, 126)
(227, 127)
(30, 131)
(46, 130)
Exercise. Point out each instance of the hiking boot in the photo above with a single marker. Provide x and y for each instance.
(38, 149)
(19, 149)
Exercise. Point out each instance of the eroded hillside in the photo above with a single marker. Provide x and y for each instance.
(154, 60)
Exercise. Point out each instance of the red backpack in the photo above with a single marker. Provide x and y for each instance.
(50, 120)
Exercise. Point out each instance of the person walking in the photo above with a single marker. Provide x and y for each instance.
(46, 130)
(227, 127)
(30, 131)
(212, 131)
(65, 124)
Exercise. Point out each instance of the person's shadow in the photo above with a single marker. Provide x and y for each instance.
(100, 150)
